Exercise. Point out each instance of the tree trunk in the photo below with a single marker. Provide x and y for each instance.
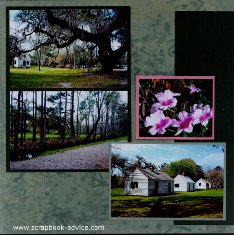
(93, 129)
(42, 121)
(12, 117)
(65, 119)
(72, 129)
(77, 116)
(25, 121)
(107, 65)
(22, 119)
(34, 115)
(99, 102)
(106, 121)
(17, 124)
(60, 129)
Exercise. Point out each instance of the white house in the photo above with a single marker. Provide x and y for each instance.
(22, 61)
(202, 184)
(183, 184)
(144, 182)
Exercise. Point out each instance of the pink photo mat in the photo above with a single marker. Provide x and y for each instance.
(138, 77)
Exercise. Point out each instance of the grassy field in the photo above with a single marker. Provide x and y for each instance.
(63, 78)
(198, 204)
(48, 152)
(29, 135)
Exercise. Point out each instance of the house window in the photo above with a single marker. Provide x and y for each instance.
(177, 185)
(134, 185)
(27, 62)
(14, 61)
(199, 184)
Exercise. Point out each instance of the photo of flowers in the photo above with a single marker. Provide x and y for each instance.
(175, 107)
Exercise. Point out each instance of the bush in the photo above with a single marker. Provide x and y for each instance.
(68, 66)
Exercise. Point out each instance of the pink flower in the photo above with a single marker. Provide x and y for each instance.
(195, 107)
(158, 122)
(202, 115)
(166, 100)
(184, 124)
(193, 89)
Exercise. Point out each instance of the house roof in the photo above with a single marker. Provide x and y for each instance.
(155, 175)
(185, 178)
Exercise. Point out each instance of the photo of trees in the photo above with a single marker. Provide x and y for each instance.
(43, 123)
(69, 47)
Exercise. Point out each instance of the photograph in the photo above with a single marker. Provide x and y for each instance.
(175, 107)
(184, 181)
(68, 47)
(65, 130)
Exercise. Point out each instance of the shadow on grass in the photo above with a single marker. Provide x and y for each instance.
(73, 80)
(168, 207)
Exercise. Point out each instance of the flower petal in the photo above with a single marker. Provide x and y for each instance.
(153, 130)
(175, 123)
(178, 131)
(182, 115)
(149, 121)
(189, 129)
(196, 116)
(204, 123)
(155, 107)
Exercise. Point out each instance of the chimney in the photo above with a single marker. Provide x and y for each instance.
(152, 168)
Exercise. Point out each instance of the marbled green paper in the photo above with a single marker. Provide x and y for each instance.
(40, 198)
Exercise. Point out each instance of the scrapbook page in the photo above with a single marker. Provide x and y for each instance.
(116, 117)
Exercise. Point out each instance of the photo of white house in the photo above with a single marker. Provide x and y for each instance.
(167, 180)
(183, 184)
(202, 184)
(22, 61)
(146, 182)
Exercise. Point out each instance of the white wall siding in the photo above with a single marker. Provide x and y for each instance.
(136, 176)
(203, 184)
(186, 184)
(182, 185)
(17, 62)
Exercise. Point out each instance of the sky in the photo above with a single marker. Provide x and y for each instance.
(203, 154)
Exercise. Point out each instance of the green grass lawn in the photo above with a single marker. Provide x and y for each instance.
(198, 204)
(48, 152)
(60, 78)
(29, 135)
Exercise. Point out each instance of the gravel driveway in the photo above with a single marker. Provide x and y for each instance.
(92, 157)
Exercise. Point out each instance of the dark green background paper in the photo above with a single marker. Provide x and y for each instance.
(40, 198)
(204, 44)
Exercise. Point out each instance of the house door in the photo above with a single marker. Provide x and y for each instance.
(24, 63)
(169, 187)
(156, 187)
(188, 186)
